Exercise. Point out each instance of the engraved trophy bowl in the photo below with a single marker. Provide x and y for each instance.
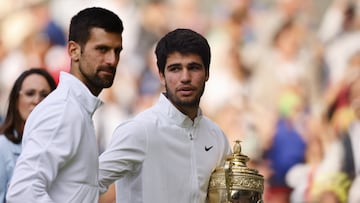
(235, 182)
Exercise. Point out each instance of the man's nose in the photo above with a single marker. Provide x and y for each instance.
(185, 75)
(112, 58)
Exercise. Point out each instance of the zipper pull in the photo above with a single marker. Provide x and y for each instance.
(191, 137)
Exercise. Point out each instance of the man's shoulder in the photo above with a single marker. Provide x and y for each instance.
(53, 109)
(141, 121)
(56, 99)
(148, 115)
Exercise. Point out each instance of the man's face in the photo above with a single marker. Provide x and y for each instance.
(98, 59)
(184, 79)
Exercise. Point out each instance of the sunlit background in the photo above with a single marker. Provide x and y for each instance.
(278, 78)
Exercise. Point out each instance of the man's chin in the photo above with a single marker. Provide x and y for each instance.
(190, 102)
(108, 82)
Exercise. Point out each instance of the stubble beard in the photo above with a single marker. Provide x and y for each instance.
(193, 103)
(96, 81)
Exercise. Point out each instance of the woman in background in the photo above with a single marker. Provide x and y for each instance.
(30, 88)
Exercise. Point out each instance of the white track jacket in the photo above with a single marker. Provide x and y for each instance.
(163, 156)
(59, 160)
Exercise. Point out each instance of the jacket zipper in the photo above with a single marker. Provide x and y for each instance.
(194, 181)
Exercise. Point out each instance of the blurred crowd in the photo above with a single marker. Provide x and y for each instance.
(279, 76)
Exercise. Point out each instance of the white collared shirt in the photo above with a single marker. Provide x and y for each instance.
(59, 160)
(163, 156)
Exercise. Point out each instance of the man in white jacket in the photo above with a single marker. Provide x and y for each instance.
(168, 152)
(59, 160)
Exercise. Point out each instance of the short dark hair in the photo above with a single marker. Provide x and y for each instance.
(94, 17)
(185, 41)
(13, 120)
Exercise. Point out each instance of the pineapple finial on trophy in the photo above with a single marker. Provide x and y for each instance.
(237, 147)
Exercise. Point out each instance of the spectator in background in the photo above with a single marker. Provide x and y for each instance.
(354, 140)
(307, 170)
(340, 33)
(228, 69)
(30, 38)
(328, 176)
(339, 119)
(30, 88)
(50, 38)
(287, 146)
(60, 157)
(285, 65)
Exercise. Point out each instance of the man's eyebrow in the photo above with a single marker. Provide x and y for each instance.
(102, 46)
(195, 63)
(173, 65)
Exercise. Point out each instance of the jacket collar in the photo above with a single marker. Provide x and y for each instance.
(81, 92)
(164, 105)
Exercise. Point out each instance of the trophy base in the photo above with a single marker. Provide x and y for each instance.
(237, 196)
(245, 196)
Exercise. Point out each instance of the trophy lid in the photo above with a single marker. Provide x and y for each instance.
(238, 175)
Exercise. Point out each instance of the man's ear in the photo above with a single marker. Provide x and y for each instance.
(74, 50)
(162, 78)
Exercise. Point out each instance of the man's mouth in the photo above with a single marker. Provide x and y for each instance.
(186, 91)
(107, 72)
